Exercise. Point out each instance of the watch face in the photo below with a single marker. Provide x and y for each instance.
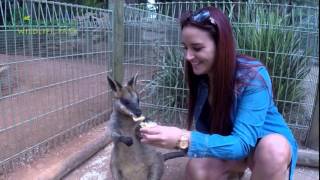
(183, 144)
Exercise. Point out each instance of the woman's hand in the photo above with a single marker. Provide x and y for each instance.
(161, 136)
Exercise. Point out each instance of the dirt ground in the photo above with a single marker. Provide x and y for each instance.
(51, 96)
(31, 171)
(97, 167)
(45, 97)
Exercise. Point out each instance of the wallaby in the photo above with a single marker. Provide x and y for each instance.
(130, 159)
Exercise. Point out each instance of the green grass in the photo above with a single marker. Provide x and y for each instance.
(268, 37)
(167, 88)
(262, 34)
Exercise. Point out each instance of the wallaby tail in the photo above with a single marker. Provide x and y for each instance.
(174, 154)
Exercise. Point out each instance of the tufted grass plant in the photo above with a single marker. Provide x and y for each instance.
(260, 33)
(167, 90)
(269, 37)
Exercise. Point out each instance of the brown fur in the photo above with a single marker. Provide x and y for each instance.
(130, 159)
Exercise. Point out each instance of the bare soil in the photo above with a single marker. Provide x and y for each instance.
(97, 167)
(31, 171)
(47, 96)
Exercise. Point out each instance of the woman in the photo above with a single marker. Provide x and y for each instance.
(237, 124)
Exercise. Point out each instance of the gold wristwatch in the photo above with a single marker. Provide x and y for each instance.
(183, 142)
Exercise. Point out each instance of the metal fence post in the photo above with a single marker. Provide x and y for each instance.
(313, 134)
(117, 7)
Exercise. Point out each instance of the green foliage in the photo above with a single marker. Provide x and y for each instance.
(268, 37)
(91, 3)
(295, 2)
(167, 87)
(23, 16)
(260, 33)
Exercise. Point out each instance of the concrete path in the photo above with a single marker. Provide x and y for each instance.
(89, 157)
(97, 168)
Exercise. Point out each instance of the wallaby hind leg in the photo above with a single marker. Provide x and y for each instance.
(155, 173)
(116, 172)
(156, 170)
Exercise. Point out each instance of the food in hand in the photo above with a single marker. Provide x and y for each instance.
(148, 124)
(141, 118)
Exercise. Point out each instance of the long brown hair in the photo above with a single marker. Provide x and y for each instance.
(221, 86)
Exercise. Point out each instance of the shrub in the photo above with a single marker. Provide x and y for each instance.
(272, 40)
(167, 89)
(260, 33)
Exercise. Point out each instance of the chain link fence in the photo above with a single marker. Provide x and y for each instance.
(284, 37)
(54, 58)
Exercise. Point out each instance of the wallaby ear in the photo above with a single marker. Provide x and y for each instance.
(115, 86)
(133, 81)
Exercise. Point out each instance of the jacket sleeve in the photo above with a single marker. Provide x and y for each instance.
(250, 114)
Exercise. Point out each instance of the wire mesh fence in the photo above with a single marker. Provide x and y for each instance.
(284, 37)
(150, 39)
(54, 58)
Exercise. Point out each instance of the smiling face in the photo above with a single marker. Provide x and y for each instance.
(200, 49)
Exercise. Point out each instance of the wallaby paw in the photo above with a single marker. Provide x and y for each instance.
(137, 133)
(127, 140)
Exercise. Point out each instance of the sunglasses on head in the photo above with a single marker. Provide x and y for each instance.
(202, 16)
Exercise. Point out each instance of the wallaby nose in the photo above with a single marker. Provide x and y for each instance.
(138, 113)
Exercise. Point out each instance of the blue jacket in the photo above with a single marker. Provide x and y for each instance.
(255, 116)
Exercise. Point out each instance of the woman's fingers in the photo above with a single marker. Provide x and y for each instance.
(161, 136)
(151, 137)
(154, 140)
(151, 130)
